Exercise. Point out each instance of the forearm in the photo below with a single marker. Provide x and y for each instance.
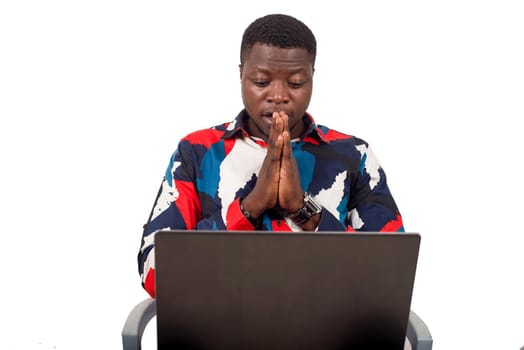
(176, 207)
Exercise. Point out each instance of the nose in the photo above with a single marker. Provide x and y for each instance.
(278, 93)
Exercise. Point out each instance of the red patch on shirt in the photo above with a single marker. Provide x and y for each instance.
(235, 220)
(312, 140)
(188, 203)
(205, 137)
(333, 135)
(149, 283)
(393, 225)
(228, 145)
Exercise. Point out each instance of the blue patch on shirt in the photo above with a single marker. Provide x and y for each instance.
(342, 209)
(305, 163)
(169, 170)
(210, 169)
(362, 164)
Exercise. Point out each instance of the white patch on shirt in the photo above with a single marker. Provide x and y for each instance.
(149, 240)
(149, 264)
(232, 125)
(244, 160)
(371, 165)
(354, 219)
(330, 198)
(167, 196)
(294, 227)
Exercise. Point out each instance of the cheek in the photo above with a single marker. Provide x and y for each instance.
(251, 96)
(303, 98)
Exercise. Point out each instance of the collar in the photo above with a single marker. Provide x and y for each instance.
(237, 128)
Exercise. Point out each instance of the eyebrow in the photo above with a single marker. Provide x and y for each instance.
(266, 70)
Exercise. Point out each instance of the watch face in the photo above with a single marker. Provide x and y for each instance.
(311, 207)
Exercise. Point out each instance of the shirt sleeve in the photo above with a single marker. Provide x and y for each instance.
(371, 205)
(177, 206)
(235, 220)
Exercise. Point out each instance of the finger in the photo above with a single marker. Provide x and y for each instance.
(286, 145)
(274, 150)
(273, 131)
(286, 135)
(277, 127)
(278, 147)
(285, 118)
(278, 120)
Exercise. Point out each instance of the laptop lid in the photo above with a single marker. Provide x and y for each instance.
(268, 290)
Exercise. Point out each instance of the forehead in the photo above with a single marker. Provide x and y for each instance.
(267, 57)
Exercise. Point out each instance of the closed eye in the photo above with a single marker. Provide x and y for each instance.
(295, 85)
(261, 83)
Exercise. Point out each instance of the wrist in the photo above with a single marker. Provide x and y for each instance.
(310, 209)
(254, 220)
(312, 223)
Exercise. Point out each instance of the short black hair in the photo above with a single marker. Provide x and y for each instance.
(278, 30)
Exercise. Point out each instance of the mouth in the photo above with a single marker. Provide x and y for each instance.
(268, 116)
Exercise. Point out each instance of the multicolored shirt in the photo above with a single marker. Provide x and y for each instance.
(212, 169)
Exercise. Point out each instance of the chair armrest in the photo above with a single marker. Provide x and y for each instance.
(418, 333)
(136, 322)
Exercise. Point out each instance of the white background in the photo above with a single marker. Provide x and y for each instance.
(94, 96)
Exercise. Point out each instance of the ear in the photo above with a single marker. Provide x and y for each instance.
(241, 70)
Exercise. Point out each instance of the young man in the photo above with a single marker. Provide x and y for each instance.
(272, 168)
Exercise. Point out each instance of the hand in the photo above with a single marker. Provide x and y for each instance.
(290, 193)
(278, 180)
(265, 193)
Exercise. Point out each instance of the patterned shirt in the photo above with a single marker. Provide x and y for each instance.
(212, 169)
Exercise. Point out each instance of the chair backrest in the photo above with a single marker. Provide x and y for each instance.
(418, 334)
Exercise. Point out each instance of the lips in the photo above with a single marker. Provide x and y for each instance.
(268, 116)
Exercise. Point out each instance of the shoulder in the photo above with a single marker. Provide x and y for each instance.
(206, 137)
(333, 136)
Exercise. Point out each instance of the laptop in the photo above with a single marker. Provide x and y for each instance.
(266, 290)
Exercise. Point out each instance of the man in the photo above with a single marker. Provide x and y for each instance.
(272, 168)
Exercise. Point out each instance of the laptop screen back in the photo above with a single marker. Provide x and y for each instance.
(267, 290)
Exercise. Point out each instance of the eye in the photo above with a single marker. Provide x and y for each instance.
(261, 83)
(295, 85)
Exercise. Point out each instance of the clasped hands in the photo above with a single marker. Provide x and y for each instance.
(278, 183)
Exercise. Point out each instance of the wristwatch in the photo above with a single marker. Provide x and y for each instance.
(310, 208)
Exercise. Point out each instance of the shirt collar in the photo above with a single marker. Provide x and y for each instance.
(238, 127)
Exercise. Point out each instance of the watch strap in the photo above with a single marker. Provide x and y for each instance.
(310, 208)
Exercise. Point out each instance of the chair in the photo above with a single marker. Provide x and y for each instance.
(418, 333)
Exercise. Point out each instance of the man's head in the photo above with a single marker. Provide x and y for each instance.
(279, 31)
(277, 58)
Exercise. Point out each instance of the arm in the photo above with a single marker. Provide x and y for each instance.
(371, 205)
(177, 206)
